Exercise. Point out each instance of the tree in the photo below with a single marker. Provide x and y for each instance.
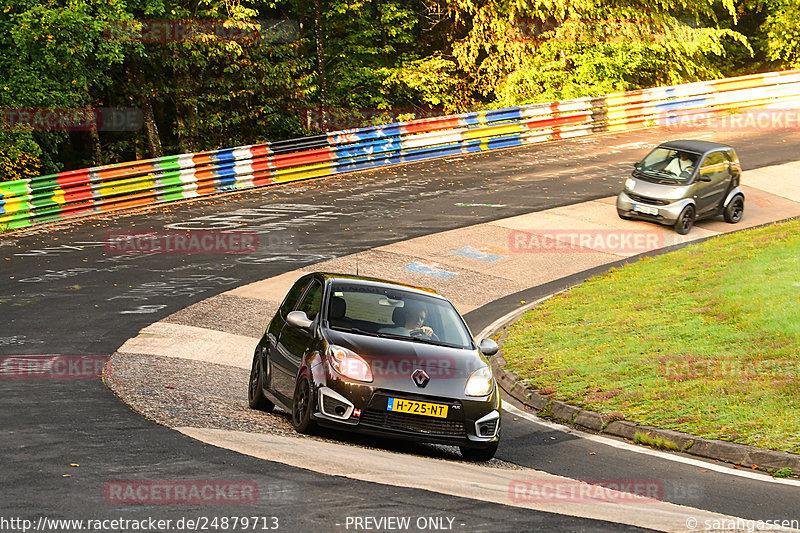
(519, 51)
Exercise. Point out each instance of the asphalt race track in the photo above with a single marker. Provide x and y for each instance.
(61, 293)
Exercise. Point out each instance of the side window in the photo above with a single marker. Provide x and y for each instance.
(291, 298)
(312, 300)
(713, 164)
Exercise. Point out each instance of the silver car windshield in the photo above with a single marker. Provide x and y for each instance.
(395, 313)
(668, 165)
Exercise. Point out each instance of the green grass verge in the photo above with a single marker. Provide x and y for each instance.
(655, 442)
(704, 340)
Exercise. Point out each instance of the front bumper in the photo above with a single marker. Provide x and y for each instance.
(469, 422)
(641, 210)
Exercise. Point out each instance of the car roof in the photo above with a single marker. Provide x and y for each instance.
(366, 280)
(698, 147)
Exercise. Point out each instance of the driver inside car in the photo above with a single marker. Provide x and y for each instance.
(409, 320)
(680, 164)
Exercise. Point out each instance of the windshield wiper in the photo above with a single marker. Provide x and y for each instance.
(355, 330)
(661, 174)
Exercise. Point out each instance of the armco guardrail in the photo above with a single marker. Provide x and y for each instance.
(141, 183)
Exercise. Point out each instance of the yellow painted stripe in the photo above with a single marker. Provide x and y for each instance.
(125, 186)
(491, 131)
(301, 173)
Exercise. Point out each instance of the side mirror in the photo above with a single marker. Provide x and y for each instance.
(636, 164)
(488, 347)
(298, 319)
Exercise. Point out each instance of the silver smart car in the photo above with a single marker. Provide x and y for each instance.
(680, 182)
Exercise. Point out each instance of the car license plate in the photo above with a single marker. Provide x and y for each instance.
(646, 209)
(397, 405)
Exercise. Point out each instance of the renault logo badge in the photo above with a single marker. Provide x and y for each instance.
(420, 377)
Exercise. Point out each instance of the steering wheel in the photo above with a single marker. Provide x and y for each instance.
(420, 333)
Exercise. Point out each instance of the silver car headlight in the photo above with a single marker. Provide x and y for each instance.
(479, 383)
(630, 183)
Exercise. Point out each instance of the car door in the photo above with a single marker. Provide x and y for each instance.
(276, 326)
(711, 182)
(293, 343)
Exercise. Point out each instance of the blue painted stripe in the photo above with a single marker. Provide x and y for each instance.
(361, 149)
(682, 104)
(419, 267)
(222, 156)
(225, 178)
(474, 253)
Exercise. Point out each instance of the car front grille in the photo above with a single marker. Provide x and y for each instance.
(414, 423)
(644, 200)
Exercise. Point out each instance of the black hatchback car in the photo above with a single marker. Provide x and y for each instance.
(378, 357)
(680, 182)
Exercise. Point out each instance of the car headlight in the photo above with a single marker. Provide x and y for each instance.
(630, 183)
(348, 364)
(479, 383)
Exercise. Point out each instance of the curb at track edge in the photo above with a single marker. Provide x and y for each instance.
(546, 407)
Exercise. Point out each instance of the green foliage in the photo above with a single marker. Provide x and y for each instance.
(783, 32)
(524, 52)
(385, 56)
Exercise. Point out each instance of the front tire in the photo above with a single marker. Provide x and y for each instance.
(255, 389)
(734, 210)
(685, 220)
(479, 454)
(302, 406)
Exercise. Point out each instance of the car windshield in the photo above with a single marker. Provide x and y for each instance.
(396, 313)
(667, 165)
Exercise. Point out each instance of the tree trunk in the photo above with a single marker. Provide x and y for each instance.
(323, 82)
(185, 114)
(148, 116)
(94, 136)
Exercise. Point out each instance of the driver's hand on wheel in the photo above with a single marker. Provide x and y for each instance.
(424, 330)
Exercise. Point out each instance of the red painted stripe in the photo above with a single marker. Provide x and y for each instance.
(431, 124)
(302, 158)
(537, 124)
(261, 164)
(259, 151)
(205, 182)
(262, 178)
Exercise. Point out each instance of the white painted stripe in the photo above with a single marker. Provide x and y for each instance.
(454, 478)
(651, 452)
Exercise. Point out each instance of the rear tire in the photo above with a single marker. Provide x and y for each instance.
(302, 406)
(479, 454)
(685, 220)
(255, 389)
(734, 210)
